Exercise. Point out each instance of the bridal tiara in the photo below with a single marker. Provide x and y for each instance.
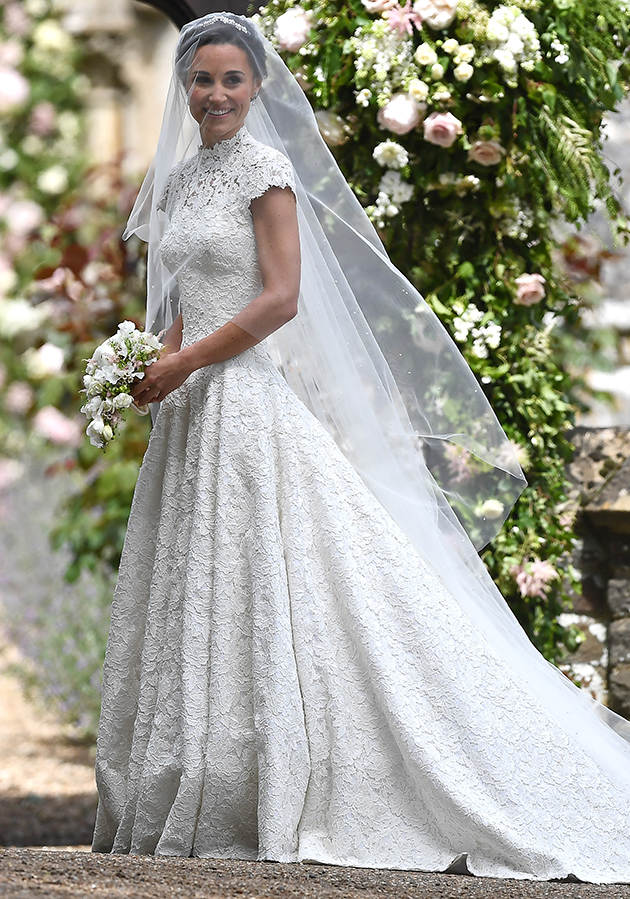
(219, 17)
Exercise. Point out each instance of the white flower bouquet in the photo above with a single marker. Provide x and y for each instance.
(109, 375)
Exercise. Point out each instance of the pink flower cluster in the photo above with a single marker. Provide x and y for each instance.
(534, 577)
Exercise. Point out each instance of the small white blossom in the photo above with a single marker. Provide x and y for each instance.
(363, 97)
(390, 155)
(393, 185)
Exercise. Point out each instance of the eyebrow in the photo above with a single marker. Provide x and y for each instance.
(231, 72)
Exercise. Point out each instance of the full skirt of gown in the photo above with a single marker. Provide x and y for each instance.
(287, 678)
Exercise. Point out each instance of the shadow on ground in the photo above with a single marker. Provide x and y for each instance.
(33, 820)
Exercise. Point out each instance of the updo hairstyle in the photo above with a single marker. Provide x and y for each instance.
(220, 29)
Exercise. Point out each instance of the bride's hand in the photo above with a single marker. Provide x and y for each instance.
(160, 378)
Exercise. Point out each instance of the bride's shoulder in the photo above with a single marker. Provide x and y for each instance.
(266, 167)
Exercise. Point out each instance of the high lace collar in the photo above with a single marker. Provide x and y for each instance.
(223, 148)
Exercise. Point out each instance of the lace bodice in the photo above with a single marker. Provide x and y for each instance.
(209, 242)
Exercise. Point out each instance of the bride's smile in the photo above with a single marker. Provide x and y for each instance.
(220, 89)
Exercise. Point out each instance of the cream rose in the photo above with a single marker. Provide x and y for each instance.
(531, 289)
(425, 55)
(486, 152)
(442, 128)
(292, 29)
(401, 114)
(491, 509)
(379, 5)
(419, 90)
(463, 72)
(437, 14)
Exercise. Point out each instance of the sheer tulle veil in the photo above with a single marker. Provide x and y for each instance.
(373, 363)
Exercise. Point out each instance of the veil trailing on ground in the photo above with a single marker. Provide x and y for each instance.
(375, 366)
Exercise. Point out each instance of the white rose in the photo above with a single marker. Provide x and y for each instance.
(51, 37)
(486, 152)
(14, 89)
(43, 362)
(463, 72)
(425, 55)
(437, 71)
(292, 29)
(418, 90)
(122, 400)
(442, 128)
(401, 114)
(53, 180)
(390, 155)
(379, 5)
(466, 53)
(450, 46)
(437, 14)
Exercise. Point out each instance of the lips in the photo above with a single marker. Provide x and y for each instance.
(217, 113)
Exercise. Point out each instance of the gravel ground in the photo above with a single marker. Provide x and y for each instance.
(47, 874)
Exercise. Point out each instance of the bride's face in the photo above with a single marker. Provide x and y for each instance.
(220, 89)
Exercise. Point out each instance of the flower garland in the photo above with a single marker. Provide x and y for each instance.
(467, 130)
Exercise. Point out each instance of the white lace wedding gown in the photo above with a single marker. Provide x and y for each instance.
(285, 677)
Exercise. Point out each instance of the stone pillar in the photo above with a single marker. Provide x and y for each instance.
(600, 472)
(619, 636)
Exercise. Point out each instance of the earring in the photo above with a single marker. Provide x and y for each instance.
(255, 97)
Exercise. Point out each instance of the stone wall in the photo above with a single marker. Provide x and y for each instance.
(600, 474)
(129, 48)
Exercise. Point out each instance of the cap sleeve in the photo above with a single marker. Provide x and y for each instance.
(270, 169)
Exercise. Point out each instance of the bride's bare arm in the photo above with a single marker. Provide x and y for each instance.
(172, 340)
(278, 244)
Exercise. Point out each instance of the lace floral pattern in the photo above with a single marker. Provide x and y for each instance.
(285, 677)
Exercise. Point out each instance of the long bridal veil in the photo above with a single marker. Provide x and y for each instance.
(374, 364)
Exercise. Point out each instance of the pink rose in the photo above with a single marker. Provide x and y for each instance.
(401, 114)
(531, 289)
(53, 425)
(43, 119)
(486, 152)
(14, 89)
(23, 216)
(442, 128)
(292, 29)
(379, 5)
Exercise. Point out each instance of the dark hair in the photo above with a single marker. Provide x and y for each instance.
(220, 29)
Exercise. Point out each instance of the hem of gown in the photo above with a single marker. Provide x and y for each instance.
(461, 864)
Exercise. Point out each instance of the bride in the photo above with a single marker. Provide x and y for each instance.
(307, 661)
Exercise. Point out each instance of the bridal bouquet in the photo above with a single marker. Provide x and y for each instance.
(109, 376)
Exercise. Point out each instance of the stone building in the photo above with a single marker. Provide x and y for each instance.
(128, 60)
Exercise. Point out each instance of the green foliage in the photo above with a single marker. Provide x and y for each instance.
(520, 90)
